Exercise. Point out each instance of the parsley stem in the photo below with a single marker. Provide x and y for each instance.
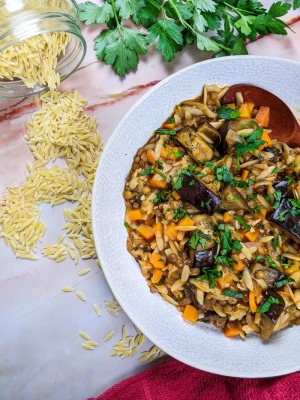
(113, 4)
(181, 20)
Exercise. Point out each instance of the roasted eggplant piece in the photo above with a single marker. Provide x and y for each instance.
(190, 295)
(229, 126)
(272, 276)
(232, 200)
(286, 221)
(270, 317)
(196, 146)
(204, 258)
(281, 187)
(210, 134)
(196, 193)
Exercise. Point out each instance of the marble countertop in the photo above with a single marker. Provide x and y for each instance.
(40, 347)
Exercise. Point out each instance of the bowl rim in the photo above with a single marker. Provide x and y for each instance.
(101, 251)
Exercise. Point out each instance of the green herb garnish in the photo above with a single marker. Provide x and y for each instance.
(251, 143)
(179, 213)
(210, 165)
(258, 258)
(251, 196)
(160, 196)
(271, 262)
(277, 197)
(196, 238)
(211, 275)
(275, 170)
(231, 293)
(295, 207)
(275, 242)
(267, 304)
(162, 131)
(126, 224)
(279, 284)
(227, 113)
(240, 219)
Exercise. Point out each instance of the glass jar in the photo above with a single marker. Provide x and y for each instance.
(22, 19)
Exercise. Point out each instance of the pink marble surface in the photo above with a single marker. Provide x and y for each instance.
(41, 356)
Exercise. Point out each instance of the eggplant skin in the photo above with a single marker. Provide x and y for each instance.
(290, 224)
(197, 148)
(205, 258)
(196, 193)
(270, 317)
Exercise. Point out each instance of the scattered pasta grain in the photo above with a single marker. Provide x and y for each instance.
(84, 335)
(84, 271)
(108, 336)
(67, 289)
(97, 309)
(81, 295)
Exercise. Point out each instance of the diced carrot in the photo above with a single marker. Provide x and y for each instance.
(150, 156)
(252, 236)
(263, 116)
(239, 265)
(170, 231)
(265, 136)
(175, 195)
(226, 217)
(262, 214)
(145, 231)
(158, 182)
(224, 282)
(157, 261)
(246, 109)
(135, 215)
(191, 313)
(232, 329)
(169, 125)
(186, 221)
(245, 174)
(157, 275)
(157, 227)
(289, 271)
(168, 152)
(252, 302)
(231, 105)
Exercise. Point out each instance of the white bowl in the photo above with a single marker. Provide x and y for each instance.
(198, 345)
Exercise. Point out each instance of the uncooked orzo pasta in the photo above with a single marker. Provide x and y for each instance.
(34, 60)
(59, 129)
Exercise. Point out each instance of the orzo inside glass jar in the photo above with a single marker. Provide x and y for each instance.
(23, 20)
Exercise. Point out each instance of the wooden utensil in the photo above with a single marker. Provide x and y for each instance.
(285, 127)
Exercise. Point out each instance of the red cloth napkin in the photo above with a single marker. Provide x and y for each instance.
(172, 380)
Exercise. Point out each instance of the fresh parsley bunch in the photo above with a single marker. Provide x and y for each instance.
(173, 24)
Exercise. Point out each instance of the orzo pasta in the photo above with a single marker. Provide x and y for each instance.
(213, 216)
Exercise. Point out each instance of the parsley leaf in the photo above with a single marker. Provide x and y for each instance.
(295, 207)
(128, 8)
(223, 174)
(296, 4)
(227, 113)
(196, 238)
(120, 48)
(89, 13)
(170, 39)
(275, 242)
(231, 293)
(279, 9)
(267, 304)
(271, 262)
(211, 275)
(179, 213)
(206, 43)
(250, 144)
(160, 196)
(240, 219)
(162, 131)
(279, 284)
(277, 197)
(126, 224)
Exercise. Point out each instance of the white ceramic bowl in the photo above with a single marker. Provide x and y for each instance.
(198, 345)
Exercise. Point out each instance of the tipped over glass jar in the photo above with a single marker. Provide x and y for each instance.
(40, 45)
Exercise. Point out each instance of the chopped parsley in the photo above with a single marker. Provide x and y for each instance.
(162, 131)
(251, 196)
(160, 196)
(227, 113)
(240, 219)
(267, 198)
(192, 182)
(231, 293)
(279, 284)
(275, 170)
(275, 242)
(267, 304)
(293, 164)
(223, 174)
(256, 209)
(179, 213)
(197, 238)
(211, 275)
(258, 258)
(227, 246)
(210, 165)
(153, 170)
(185, 171)
(271, 262)
(251, 143)
(281, 216)
(205, 203)
(295, 207)
(126, 224)
(277, 197)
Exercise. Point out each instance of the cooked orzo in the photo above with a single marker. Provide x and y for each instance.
(213, 216)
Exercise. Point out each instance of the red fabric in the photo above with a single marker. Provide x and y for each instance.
(172, 380)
